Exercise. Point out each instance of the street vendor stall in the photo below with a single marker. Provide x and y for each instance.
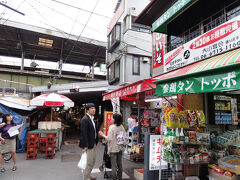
(48, 136)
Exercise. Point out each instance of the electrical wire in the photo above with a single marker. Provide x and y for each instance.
(81, 31)
(62, 14)
(69, 5)
(5, 9)
(14, 12)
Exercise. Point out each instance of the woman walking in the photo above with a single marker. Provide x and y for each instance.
(8, 144)
(114, 149)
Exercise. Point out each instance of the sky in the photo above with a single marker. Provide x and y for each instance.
(58, 15)
(70, 16)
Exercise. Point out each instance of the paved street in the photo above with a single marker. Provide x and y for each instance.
(45, 169)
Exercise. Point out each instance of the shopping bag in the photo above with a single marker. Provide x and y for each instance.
(83, 161)
(121, 138)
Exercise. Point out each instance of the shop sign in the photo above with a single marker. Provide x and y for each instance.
(158, 49)
(116, 105)
(107, 121)
(210, 83)
(223, 38)
(129, 90)
(159, 24)
(156, 153)
(234, 111)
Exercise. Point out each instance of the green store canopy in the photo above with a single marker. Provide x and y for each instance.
(160, 24)
(218, 73)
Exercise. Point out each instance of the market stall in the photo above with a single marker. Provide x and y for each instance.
(133, 94)
(48, 136)
(203, 138)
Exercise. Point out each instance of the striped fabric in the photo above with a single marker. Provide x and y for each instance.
(224, 59)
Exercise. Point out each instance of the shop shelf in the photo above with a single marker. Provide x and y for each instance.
(188, 162)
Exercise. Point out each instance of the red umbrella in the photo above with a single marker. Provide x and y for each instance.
(52, 99)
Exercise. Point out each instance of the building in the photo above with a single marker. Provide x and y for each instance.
(184, 21)
(129, 48)
(129, 45)
(202, 51)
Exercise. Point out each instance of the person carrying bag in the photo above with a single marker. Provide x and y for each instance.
(116, 142)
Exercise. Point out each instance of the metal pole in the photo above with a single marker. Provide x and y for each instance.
(22, 65)
(4, 88)
(93, 69)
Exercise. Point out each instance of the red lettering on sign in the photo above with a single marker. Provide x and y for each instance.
(215, 35)
(174, 54)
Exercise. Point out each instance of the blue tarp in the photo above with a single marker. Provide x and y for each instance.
(18, 119)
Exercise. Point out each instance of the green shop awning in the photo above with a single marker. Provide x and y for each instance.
(218, 73)
(160, 24)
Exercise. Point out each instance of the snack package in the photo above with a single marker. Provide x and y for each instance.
(173, 117)
(166, 111)
(183, 122)
(201, 119)
(192, 137)
(192, 118)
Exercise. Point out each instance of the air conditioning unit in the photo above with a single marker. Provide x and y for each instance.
(145, 59)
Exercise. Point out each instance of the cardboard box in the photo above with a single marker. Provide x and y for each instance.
(138, 174)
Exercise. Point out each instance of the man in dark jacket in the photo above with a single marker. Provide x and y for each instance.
(89, 139)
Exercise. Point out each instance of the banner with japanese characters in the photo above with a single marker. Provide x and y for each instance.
(156, 153)
(214, 81)
(159, 49)
(213, 42)
(107, 121)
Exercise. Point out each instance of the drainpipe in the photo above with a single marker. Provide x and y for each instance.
(124, 66)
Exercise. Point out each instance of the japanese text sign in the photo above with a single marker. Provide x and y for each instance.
(107, 120)
(218, 81)
(159, 49)
(156, 153)
(218, 40)
(158, 25)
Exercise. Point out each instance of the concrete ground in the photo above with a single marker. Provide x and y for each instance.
(51, 169)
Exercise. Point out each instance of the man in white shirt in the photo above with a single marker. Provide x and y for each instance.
(132, 121)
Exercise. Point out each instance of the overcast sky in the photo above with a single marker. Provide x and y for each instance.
(53, 15)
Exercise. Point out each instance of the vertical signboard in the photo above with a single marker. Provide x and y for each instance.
(107, 121)
(158, 49)
(156, 153)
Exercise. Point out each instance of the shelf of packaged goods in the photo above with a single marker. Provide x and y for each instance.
(189, 144)
(223, 111)
(188, 162)
(228, 100)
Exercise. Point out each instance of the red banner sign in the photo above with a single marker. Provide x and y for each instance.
(107, 121)
(158, 49)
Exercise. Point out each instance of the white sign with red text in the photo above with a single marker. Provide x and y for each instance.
(156, 153)
(218, 40)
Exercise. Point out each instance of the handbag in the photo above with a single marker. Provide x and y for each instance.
(82, 164)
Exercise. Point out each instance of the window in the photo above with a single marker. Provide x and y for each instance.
(114, 37)
(233, 10)
(139, 27)
(136, 65)
(114, 72)
(214, 21)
